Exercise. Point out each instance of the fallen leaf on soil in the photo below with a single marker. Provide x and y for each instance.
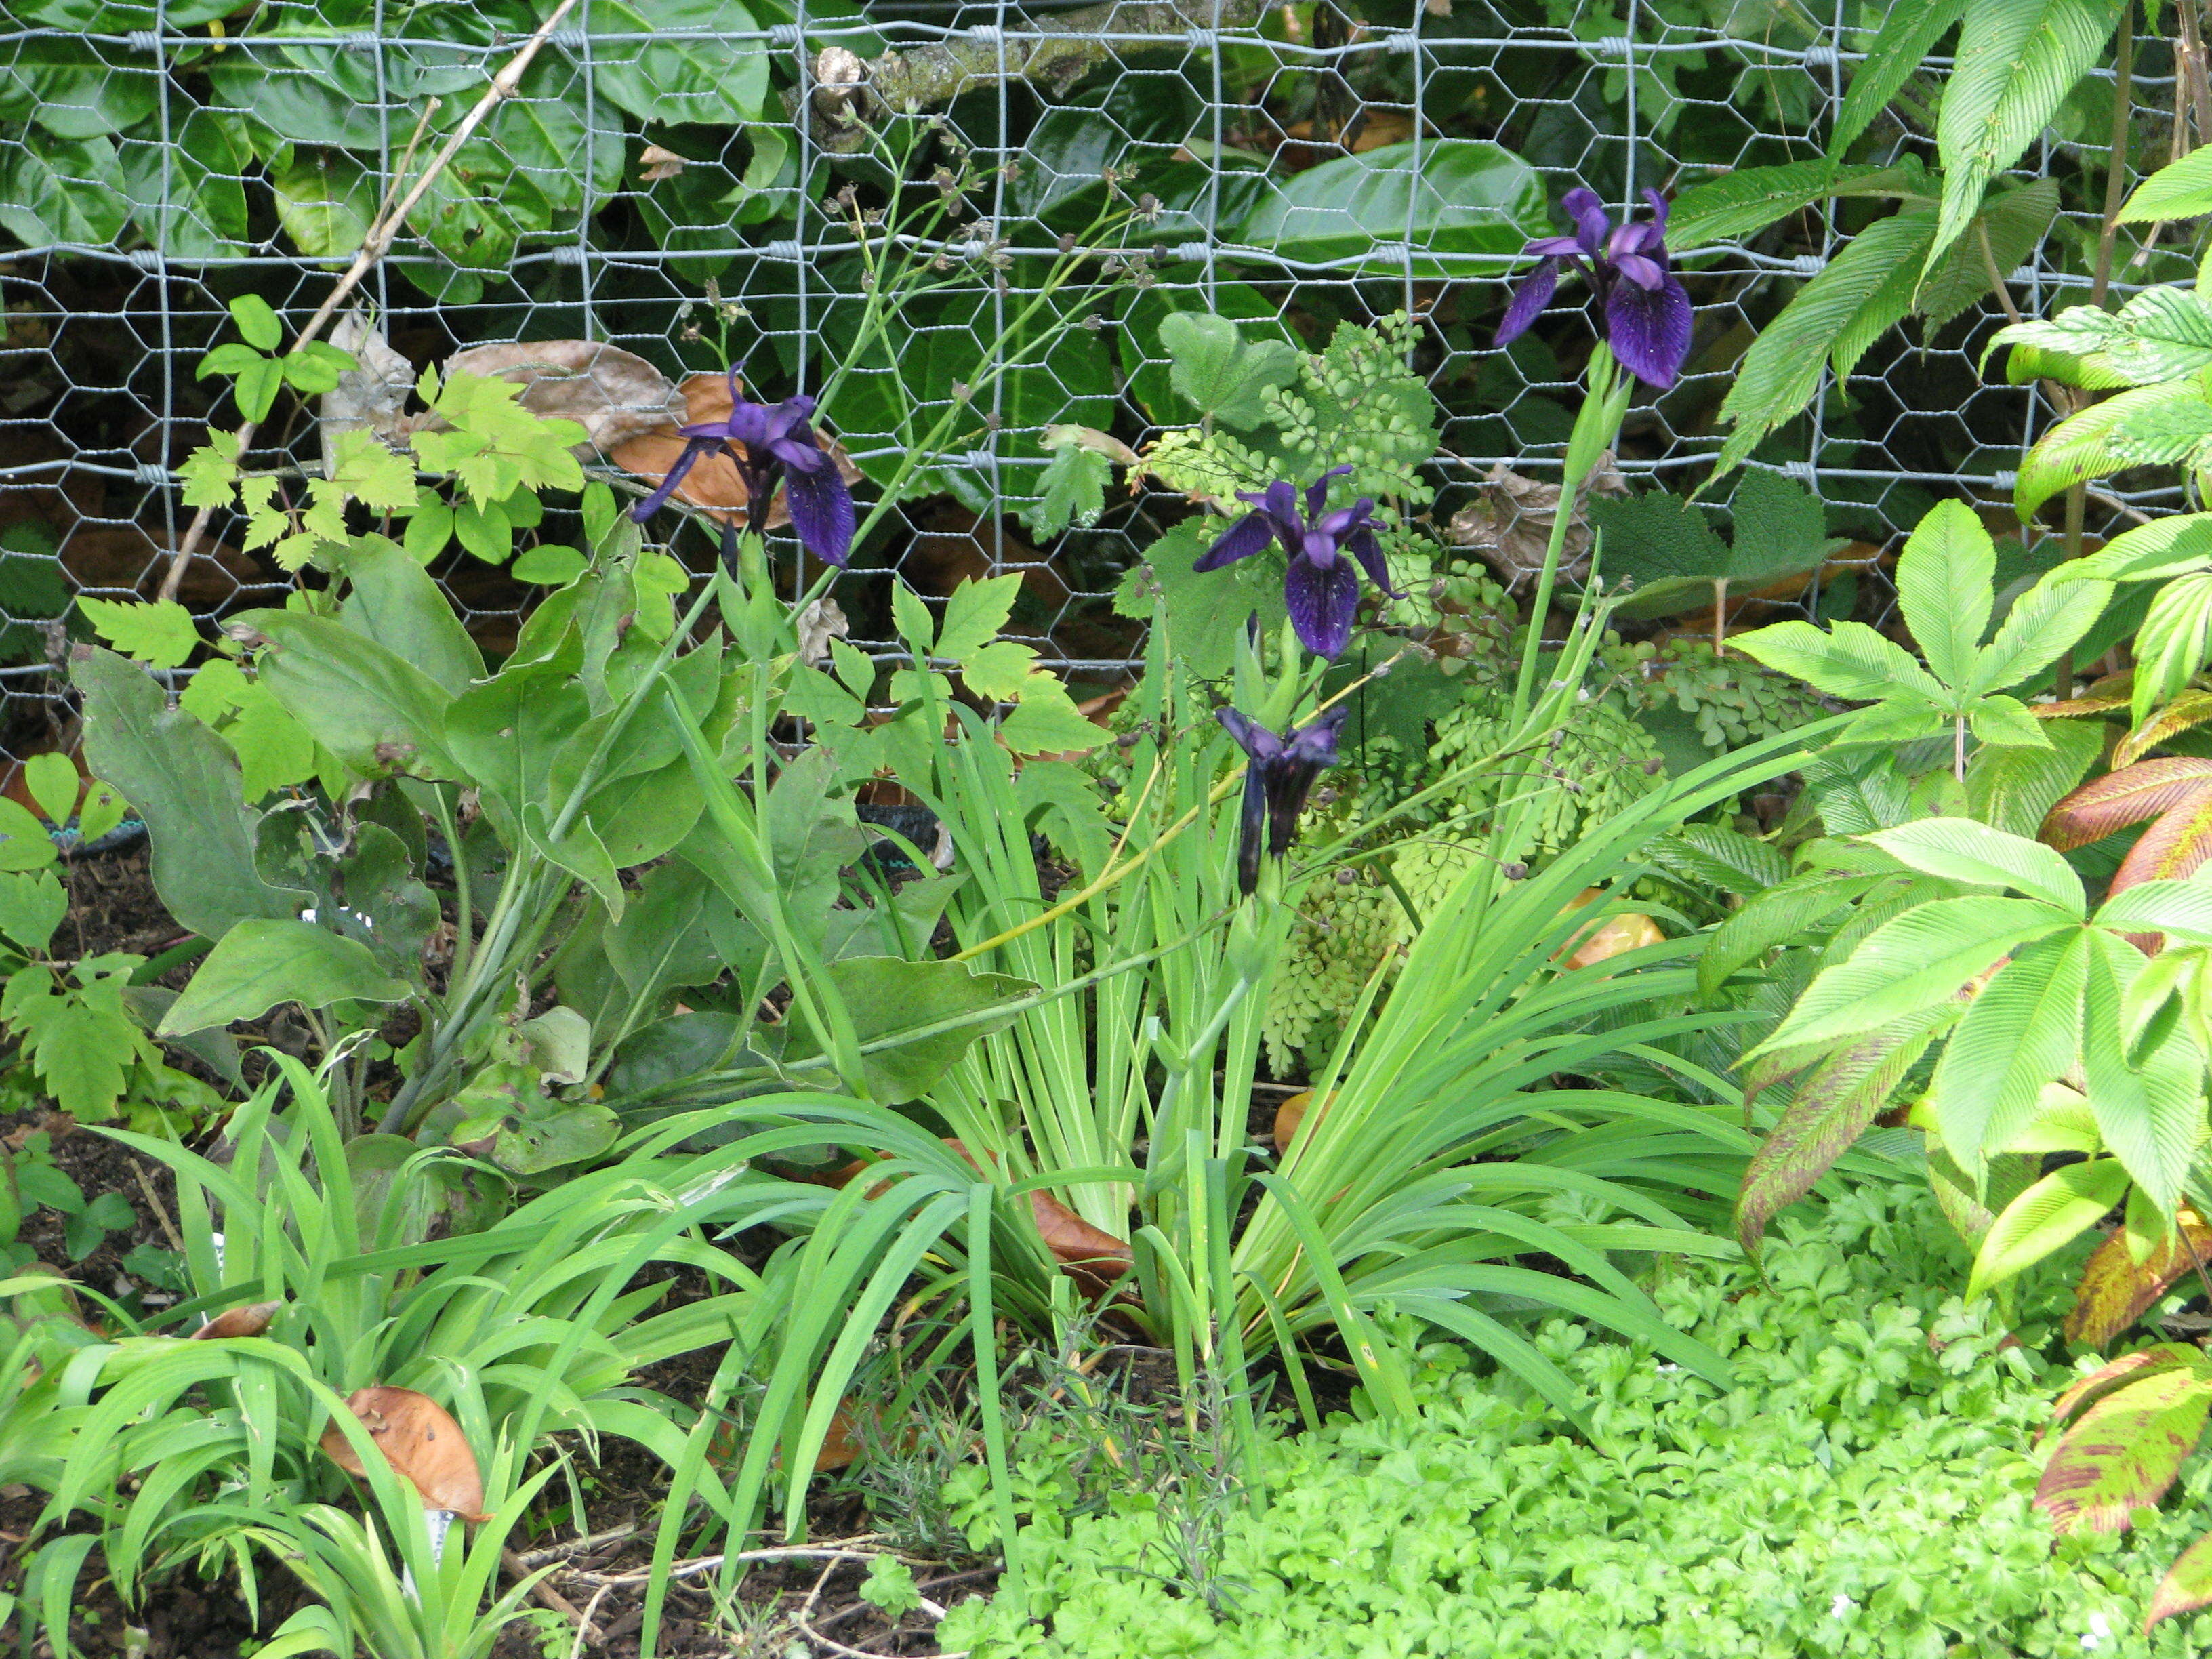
(420, 1441)
(251, 1320)
(615, 396)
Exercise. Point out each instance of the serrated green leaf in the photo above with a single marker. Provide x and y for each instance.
(1850, 661)
(1746, 200)
(2017, 63)
(2012, 221)
(1907, 35)
(1960, 849)
(2022, 1030)
(2048, 1216)
(1946, 584)
(159, 634)
(2150, 552)
(24, 842)
(2173, 643)
(2043, 621)
(2180, 189)
(1865, 290)
(2093, 442)
(1921, 958)
(2012, 789)
(2151, 1112)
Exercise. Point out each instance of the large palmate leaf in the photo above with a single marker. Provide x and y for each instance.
(2017, 63)
(2126, 1451)
(2148, 1097)
(2161, 334)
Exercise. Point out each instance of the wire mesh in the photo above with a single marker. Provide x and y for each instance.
(158, 157)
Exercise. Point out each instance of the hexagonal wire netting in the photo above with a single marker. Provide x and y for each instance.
(151, 172)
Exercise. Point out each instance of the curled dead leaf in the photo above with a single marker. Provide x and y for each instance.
(1629, 931)
(420, 1441)
(614, 395)
(373, 392)
(1511, 526)
(659, 164)
(251, 1320)
(1292, 1113)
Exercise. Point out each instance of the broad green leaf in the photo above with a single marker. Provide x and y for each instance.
(1946, 583)
(2048, 1216)
(184, 781)
(1441, 196)
(2125, 1451)
(394, 602)
(32, 905)
(2022, 1030)
(364, 703)
(2180, 189)
(1907, 35)
(2017, 62)
(1850, 661)
(2013, 221)
(185, 193)
(1219, 373)
(324, 203)
(900, 1003)
(260, 964)
(67, 191)
(1072, 490)
(51, 780)
(1865, 290)
(672, 60)
(1960, 849)
(2150, 1110)
(1921, 958)
(1830, 1110)
(2004, 722)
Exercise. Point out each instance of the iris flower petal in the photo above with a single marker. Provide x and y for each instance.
(822, 513)
(1530, 299)
(1650, 329)
(692, 451)
(1322, 603)
(1248, 536)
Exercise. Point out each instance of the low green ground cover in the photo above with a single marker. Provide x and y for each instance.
(1865, 1490)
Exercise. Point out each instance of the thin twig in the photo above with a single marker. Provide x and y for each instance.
(591, 1611)
(1997, 277)
(543, 1593)
(153, 1203)
(373, 246)
(561, 1552)
(709, 1562)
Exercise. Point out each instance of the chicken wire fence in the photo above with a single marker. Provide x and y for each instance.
(676, 177)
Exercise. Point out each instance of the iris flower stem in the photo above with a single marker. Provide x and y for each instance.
(1605, 404)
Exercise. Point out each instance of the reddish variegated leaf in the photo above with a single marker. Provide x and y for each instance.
(2186, 1587)
(2125, 797)
(2106, 1377)
(2117, 1290)
(1832, 1108)
(2124, 1452)
(2188, 710)
(2171, 849)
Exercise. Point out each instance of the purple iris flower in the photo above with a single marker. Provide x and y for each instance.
(771, 444)
(1277, 782)
(1645, 313)
(1319, 589)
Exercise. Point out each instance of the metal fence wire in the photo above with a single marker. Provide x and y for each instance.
(667, 179)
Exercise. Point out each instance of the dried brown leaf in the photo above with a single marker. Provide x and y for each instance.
(659, 164)
(713, 484)
(420, 1439)
(251, 1320)
(614, 395)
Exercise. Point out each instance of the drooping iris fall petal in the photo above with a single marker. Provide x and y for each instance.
(1643, 310)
